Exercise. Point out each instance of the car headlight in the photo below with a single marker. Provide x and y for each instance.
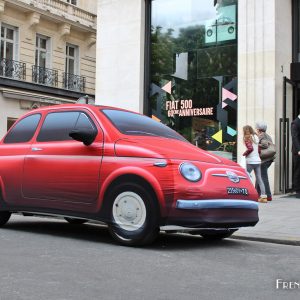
(190, 172)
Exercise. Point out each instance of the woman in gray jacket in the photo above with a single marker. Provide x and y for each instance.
(264, 140)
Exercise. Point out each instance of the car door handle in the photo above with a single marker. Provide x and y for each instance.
(36, 149)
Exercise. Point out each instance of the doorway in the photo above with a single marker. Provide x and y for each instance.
(290, 110)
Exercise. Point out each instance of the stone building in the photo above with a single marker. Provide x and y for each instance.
(47, 54)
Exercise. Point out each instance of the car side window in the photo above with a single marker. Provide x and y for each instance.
(24, 130)
(58, 125)
(84, 122)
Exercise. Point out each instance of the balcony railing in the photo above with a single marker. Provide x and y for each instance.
(44, 76)
(12, 69)
(49, 77)
(74, 82)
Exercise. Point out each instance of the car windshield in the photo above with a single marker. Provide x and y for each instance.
(135, 124)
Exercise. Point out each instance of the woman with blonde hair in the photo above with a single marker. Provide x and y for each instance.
(253, 160)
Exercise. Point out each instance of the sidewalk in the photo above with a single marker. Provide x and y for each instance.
(279, 222)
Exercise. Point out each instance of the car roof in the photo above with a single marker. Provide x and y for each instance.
(72, 106)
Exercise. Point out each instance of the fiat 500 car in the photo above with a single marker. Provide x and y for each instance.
(95, 163)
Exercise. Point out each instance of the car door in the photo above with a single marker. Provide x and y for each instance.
(13, 150)
(60, 172)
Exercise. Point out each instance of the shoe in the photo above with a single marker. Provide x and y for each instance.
(262, 200)
(269, 198)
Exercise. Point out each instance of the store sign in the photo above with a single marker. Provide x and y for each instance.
(184, 108)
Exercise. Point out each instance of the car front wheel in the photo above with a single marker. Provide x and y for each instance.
(133, 215)
(4, 217)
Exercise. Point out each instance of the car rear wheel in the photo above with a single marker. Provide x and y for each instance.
(75, 221)
(133, 215)
(217, 234)
(4, 217)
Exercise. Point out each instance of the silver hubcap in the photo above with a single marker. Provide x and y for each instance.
(129, 211)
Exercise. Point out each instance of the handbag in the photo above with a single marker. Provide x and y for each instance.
(268, 152)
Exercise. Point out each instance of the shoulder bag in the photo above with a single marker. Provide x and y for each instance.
(268, 152)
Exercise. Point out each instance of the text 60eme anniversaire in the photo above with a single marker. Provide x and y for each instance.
(184, 108)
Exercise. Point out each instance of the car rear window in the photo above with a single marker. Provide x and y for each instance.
(24, 130)
(135, 124)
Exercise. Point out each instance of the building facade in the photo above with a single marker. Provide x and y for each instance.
(47, 54)
(205, 68)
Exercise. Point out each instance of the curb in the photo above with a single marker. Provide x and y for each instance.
(281, 241)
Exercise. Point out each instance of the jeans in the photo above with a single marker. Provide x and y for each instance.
(264, 176)
(257, 172)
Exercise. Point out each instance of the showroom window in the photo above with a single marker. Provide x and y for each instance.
(193, 71)
(296, 30)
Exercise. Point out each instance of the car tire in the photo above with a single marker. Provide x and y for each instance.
(217, 235)
(133, 214)
(4, 217)
(75, 221)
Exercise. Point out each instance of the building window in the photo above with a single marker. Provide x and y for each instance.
(193, 71)
(41, 72)
(71, 66)
(9, 52)
(74, 2)
(10, 122)
(71, 78)
(8, 38)
(41, 51)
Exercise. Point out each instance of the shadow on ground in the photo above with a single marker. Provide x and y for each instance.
(95, 233)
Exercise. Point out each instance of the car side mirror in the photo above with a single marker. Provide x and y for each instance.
(85, 135)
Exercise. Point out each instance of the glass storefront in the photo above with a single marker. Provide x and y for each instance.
(193, 66)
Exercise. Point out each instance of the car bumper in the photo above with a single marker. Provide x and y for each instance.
(216, 203)
(214, 213)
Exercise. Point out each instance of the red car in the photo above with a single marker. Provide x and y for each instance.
(87, 163)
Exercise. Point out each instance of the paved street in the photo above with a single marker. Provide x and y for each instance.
(279, 222)
(50, 259)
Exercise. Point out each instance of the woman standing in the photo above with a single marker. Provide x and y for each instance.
(264, 141)
(253, 160)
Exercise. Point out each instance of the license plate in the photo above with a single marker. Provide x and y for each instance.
(237, 191)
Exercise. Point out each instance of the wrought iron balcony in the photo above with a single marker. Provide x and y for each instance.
(74, 82)
(12, 69)
(44, 76)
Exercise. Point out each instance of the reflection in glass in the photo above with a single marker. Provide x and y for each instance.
(9, 34)
(193, 71)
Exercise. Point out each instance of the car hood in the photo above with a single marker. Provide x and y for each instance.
(165, 149)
